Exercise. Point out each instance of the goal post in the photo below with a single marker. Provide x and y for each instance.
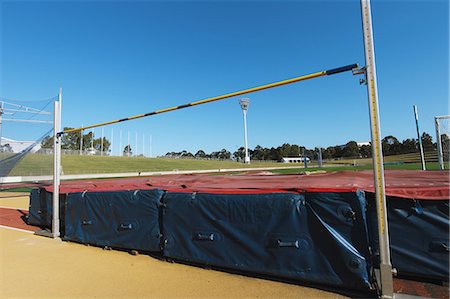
(442, 125)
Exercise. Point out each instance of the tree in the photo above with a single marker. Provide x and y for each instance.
(201, 154)
(47, 142)
(223, 154)
(445, 146)
(427, 142)
(127, 151)
(390, 145)
(6, 148)
(239, 154)
(258, 153)
(106, 144)
(408, 146)
(351, 149)
(365, 151)
(274, 154)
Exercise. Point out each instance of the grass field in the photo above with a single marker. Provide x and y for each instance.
(36, 164)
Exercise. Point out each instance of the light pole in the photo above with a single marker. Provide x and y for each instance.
(244, 102)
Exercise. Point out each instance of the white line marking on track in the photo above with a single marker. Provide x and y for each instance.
(12, 208)
(17, 229)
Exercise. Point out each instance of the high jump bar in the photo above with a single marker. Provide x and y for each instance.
(225, 96)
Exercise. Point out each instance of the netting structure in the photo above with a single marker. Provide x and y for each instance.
(442, 124)
(25, 131)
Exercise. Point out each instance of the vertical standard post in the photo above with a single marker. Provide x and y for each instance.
(136, 145)
(244, 102)
(111, 144)
(439, 143)
(128, 146)
(151, 146)
(386, 281)
(422, 157)
(56, 168)
(101, 142)
(320, 157)
(1, 124)
(247, 158)
(143, 145)
(120, 143)
(304, 157)
(81, 141)
(92, 139)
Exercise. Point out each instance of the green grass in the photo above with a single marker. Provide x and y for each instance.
(409, 166)
(36, 164)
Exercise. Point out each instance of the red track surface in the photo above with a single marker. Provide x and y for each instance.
(15, 218)
(427, 185)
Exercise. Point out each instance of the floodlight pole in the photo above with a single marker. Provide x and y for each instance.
(385, 279)
(422, 157)
(244, 102)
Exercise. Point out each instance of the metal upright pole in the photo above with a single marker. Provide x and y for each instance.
(101, 142)
(151, 146)
(247, 158)
(304, 157)
(385, 279)
(1, 124)
(439, 143)
(143, 145)
(92, 139)
(422, 157)
(136, 146)
(120, 143)
(320, 157)
(245, 102)
(112, 139)
(56, 167)
(81, 141)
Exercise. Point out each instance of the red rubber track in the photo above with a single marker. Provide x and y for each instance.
(15, 218)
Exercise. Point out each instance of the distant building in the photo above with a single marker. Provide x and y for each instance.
(294, 160)
(18, 146)
(363, 143)
(358, 143)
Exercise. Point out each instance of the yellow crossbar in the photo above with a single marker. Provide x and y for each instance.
(217, 98)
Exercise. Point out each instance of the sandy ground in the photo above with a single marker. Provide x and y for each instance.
(37, 267)
(19, 200)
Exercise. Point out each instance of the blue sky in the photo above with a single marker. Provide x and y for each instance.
(118, 59)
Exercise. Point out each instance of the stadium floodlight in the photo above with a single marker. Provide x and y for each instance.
(245, 102)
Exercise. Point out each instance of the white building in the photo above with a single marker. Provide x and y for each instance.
(18, 146)
(294, 160)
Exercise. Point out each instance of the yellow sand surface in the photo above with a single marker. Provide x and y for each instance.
(18, 200)
(38, 267)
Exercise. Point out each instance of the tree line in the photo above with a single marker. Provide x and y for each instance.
(390, 145)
